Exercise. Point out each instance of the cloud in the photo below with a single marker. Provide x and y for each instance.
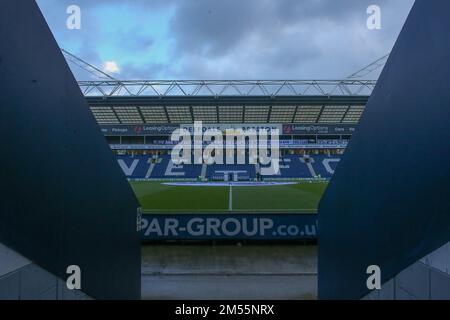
(283, 38)
(111, 67)
(206, 39)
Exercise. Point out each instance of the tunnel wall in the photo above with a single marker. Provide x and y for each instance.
(387, 203)
(65, 200)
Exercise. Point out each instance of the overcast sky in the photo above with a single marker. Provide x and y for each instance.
(226, 39)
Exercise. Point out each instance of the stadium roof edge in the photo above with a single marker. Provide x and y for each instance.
(227, 88)
(150, 101)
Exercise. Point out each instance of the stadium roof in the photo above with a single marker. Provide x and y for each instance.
(115, 101)
(273, 88)
(227, 101)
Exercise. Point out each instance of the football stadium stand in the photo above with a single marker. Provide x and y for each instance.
(162, 167)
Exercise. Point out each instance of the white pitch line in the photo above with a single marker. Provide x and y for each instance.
(230, 199)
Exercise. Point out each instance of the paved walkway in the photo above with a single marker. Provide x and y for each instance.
(229, 272)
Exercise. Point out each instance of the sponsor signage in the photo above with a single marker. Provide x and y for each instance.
(228, 227)
(167, 129)
(282, 144)
(247, 126)
(138, 130)
(318, 129)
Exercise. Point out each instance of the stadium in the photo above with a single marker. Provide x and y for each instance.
(315, 121)
(315, 130)
(222, 189)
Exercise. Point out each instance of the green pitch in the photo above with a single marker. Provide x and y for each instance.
(299, 197)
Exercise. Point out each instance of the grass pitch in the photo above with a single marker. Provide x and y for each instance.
(156, 197)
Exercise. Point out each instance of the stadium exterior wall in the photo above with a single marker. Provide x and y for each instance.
(427, 279)
(21, 279)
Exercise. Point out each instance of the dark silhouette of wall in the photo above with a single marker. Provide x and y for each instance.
(388, 202)
(64, 200)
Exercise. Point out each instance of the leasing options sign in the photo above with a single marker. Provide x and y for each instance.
(228, 226)
(318, 129)
(138, 130)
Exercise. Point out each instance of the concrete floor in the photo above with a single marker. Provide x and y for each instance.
(229, 272)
